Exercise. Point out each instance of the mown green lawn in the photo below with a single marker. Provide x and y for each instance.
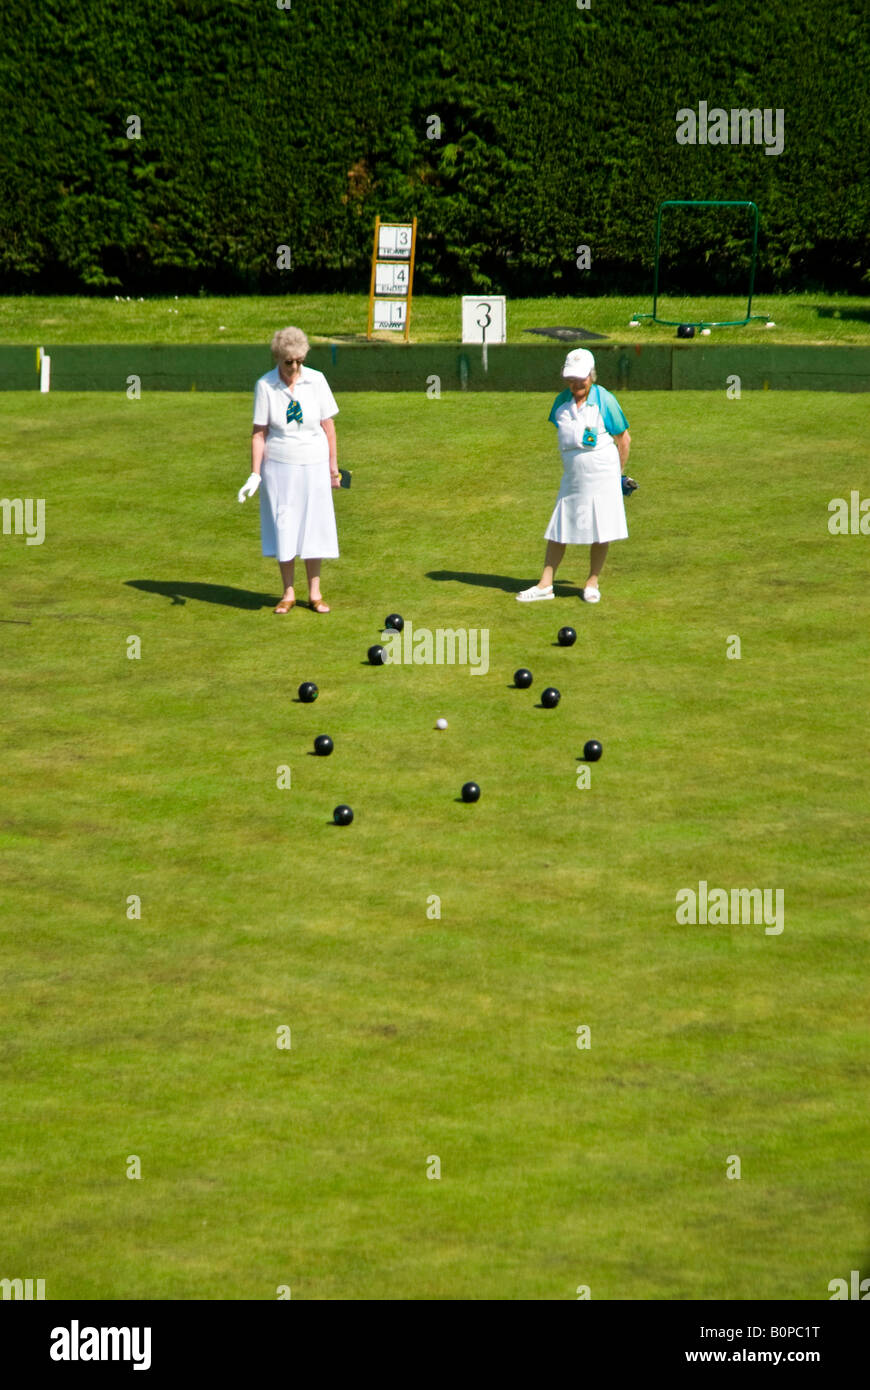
(415, 1036)
(799, 318)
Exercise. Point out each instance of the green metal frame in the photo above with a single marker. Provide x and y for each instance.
(704, 203)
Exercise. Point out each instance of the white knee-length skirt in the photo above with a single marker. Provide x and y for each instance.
(589, 507)
(297, 516)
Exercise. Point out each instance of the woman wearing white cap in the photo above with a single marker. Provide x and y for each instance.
(594, 442)
(293, 447)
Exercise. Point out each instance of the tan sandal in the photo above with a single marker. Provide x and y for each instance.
(318, 606)
(285, 605)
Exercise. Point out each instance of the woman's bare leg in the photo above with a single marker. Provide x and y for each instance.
(597, 556)
(552, 560)
(312, 569)
(286, 568)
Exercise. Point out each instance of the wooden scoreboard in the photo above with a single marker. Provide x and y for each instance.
(392, 277)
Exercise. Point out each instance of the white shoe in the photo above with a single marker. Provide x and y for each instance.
(591, 596)
(531, 595)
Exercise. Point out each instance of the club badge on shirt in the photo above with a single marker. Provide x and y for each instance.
(590, 438)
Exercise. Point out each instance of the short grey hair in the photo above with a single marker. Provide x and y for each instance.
(289, 342)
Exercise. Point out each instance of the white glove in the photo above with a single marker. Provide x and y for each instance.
(250, 487)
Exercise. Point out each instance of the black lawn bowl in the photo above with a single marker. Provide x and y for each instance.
(308, 692)
(550, 697)
(394, 621)
(522, 678)
(592, 750)
(377, 655)
(342, 815)
(323, 745)
(686, 330)
(470, 791)
(566, 636)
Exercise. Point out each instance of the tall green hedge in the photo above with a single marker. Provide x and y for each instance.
(264, 126)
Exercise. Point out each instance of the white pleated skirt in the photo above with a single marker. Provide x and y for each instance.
(589, 509)
(297, 516)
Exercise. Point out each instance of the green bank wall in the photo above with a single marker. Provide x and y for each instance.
(388, 367)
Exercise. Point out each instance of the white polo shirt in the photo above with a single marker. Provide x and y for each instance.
(300, 439)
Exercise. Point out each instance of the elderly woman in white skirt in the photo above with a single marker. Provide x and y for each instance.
(594, 442)
(293, 449)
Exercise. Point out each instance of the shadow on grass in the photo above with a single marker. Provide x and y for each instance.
(205, 593)
(497, 581)
(830, 311)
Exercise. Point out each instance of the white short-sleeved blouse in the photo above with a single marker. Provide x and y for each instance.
(293, 414)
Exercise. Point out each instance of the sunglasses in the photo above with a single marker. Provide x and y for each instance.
(293, 361)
